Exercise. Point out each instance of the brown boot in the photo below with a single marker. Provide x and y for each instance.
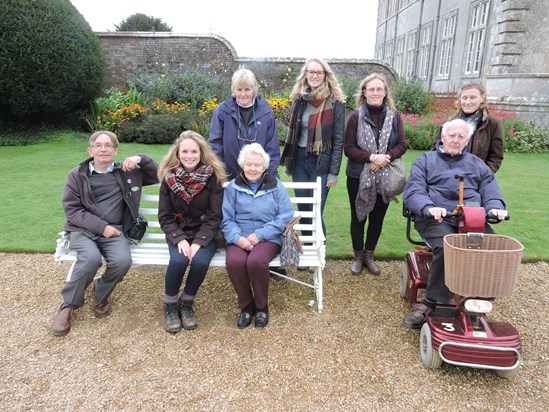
(61, 324)
(358, 261)
(369, 262)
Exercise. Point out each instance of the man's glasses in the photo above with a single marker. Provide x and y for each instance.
(315, 73)
(99, 146)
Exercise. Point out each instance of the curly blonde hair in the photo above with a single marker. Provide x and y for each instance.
(207, 156)
(329, 88)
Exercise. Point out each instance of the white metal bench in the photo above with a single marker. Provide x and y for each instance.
(152, 250)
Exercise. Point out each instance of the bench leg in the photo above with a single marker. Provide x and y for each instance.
(318, 288)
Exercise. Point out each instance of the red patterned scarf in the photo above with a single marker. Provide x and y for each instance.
(187, 185)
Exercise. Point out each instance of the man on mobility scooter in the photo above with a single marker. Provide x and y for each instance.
(431, 190)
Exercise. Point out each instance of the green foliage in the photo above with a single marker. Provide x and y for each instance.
(350, 87)
(192, 86)
(113, 100)
(410, 96)
(528, 141)
(142, 22)
(155, 128)
(51, 63)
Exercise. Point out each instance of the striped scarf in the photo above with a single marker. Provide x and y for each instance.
(320, 128)
(187, 185)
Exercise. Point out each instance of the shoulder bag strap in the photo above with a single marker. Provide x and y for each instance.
(128, 195)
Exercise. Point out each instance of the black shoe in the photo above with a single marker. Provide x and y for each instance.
(244, 320)
(172, 321)
(261, 319)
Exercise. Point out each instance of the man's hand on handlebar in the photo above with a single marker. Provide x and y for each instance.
(437, 213)
(496, 215)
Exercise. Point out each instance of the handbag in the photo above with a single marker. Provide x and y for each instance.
(291, 245)
(139, 223)
(397, 176)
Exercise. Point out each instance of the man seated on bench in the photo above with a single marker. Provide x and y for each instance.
(432, 189)
(98, 217)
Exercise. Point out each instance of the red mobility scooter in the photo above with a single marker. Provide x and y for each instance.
(478, 268)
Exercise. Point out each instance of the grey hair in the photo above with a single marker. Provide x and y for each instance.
(458, 122)
(244, 77)
(253, 148)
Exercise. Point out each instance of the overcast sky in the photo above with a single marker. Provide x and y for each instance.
(283, 28)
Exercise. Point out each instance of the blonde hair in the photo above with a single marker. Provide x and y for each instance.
(244, 77)
(112, 136)
(361, 98)
(467, 86)
(207, 156)
(329, 88)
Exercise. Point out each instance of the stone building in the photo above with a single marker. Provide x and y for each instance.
(500, 43)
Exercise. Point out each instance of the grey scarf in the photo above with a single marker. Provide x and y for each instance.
(372, 183)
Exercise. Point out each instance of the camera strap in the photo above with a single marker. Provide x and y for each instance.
(128, 195)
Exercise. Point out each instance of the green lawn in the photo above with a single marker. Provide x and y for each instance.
(32, 180)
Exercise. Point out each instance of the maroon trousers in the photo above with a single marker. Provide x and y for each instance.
(249, 273)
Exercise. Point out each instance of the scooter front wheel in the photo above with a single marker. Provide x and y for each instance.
(508, 373)
(429, 356)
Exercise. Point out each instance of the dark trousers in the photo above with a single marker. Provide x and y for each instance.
(178, 265)
(115, 250)
(305, 171)
(433, 232)
(374, 218)
(249, 273)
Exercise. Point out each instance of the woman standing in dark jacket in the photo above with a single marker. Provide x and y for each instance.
(314, 145)
(374, 138)
(487, 139)
(189, 213)
(242, 119)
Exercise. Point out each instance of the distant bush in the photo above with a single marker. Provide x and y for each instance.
(410, 96)
(193, 86)
(51, 63)
(155, 128)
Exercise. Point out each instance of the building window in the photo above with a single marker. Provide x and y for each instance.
(389, 52)
(392, 7)
(425, 52)
(399, 60)
(477, 32)
(411, 55)
(379, 52)
(446, 44)
(405, 3)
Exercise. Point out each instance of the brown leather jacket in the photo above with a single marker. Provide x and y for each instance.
(487, 141)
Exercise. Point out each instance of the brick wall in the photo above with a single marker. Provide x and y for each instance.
(130, 53)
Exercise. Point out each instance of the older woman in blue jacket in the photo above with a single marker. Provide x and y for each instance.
(256, 211)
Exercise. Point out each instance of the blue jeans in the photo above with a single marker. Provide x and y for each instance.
(178, 265)
(305, 171)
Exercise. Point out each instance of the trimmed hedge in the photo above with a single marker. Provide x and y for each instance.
(51, 63)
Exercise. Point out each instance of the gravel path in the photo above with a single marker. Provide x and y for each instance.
(355, 356)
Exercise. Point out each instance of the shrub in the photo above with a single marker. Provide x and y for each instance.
(51, 63)
(193, 86)
(155, 128)
(528, 141)
(410, 96)
(103, 108)
(350, 88)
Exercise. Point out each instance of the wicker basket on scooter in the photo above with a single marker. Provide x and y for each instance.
(490, 271)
